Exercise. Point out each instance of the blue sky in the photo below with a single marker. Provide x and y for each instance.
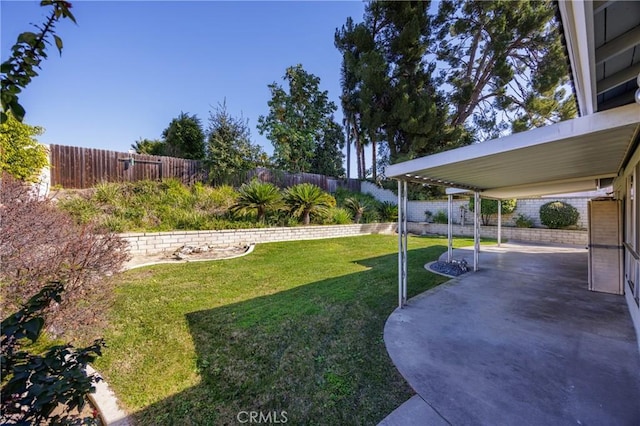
(129, 67)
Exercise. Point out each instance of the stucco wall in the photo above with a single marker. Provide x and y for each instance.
(157, 242)
(536, 235)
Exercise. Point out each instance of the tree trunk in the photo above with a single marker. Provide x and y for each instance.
(374, 166)
(306, 218)
(364, 164)
(358, 149)
(348, 129)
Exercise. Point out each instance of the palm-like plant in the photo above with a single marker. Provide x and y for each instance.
(306, 199)
(357, 207)
(259, 197)
(388, 212)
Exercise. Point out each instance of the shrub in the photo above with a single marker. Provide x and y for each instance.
(370, 205)
(342, 194)
(489, 208)
(305, 199)
(441, 216)
(40, 243)
(107, 193)
(340, 216)
(29, 394)
(428, 216)
(259, 198)
(557, 214)
(21, 155)
(219, 200)
(388, 212)
(82, 209)
(523, 221)
(356, 207)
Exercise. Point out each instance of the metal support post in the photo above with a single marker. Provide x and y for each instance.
(499, 222)
(450, 228)
(476, 230)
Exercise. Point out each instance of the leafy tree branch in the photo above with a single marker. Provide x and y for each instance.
(26, 56)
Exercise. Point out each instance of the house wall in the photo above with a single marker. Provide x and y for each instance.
(626, 189)
(158, 242)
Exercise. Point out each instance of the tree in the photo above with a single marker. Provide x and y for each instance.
(327, 156)
(229, 149)
(489, 208)
(347, 41)
(149, 146)
(501, 67)
(184, 138)
(258, 197)
(306, 199)
(27, 55)
(388, 90)
(297, 119)
(505, 64)
(20, 153)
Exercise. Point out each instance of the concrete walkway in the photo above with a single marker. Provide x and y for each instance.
(520, 342)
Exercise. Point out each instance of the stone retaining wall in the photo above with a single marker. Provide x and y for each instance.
(536, 235)
(157, 242)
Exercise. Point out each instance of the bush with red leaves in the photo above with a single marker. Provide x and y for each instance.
(40, 243)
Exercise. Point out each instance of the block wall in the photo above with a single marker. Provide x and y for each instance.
(528, 207)
(535, 235)
(158, 242)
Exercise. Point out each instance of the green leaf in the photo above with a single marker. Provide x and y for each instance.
(27, 37)
(17, 110)
(58, 43)
(6, 67)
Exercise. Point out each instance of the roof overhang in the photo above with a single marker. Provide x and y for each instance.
(565, 157)
(603, 40)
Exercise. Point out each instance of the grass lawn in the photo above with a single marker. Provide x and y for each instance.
(295, 327)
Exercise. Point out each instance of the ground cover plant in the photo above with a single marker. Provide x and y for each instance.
(295, 327)
(170, 205)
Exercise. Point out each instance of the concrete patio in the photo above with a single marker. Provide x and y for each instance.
(521, 341)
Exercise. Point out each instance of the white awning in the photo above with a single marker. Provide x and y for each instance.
(565, 157)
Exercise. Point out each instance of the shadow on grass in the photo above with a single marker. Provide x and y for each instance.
(313, 354)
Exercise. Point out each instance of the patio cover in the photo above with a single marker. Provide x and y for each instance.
(573, 155)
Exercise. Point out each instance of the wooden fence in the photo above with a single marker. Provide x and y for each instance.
(285, 179)
(77, 168)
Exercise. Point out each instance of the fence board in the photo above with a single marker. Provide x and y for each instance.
(76, 167)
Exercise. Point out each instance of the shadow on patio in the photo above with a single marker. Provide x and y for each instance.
(521, 341)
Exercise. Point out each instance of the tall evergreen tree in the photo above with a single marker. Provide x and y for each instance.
(505, 64)
(229, 149)
(184, 137)
(387, 85)
(502, 69)
(352, 40)
(297, 119)
(328, 157)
